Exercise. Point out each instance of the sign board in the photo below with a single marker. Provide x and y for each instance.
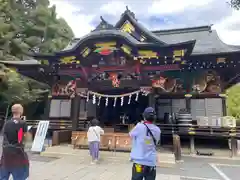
(29, 127)
(40, 136)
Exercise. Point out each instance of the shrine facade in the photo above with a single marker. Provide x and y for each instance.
(127, 67)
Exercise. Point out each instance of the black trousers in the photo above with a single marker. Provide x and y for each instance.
(140, 172)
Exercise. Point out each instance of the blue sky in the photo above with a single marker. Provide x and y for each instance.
(84, 15)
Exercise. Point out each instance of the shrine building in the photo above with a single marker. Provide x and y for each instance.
(116, 71)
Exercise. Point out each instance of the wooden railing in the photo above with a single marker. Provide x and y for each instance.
(53, 124)
(195, 130)
(109, 141)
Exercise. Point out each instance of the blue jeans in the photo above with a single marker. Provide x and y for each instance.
(18, 173)
(94, 149)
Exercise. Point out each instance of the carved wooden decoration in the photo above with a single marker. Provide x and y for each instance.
(166, 84)
(105, 48)
(147, 54)
(85, 52)
(68, 60)
(209, 81)
(170, 84)
(159, 83)
(178, 54)
(213, 82)
(179, 86)
(69, 89)
(221, 60)
(126, 49)
(199, 85)
(128, 27)
(115, 80)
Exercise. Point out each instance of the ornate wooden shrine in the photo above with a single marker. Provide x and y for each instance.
(119, 70)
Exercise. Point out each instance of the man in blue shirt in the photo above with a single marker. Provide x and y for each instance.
(145, 136)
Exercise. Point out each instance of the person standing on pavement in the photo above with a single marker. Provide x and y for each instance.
(94, 133)
(14, 160)
(145, 137)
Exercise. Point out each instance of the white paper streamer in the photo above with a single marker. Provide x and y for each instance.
(106, 103)
(115, 102)
(136, 98)
(99, 100)
(122, 98)
(129, 99)
(87, 97)
(94, 99)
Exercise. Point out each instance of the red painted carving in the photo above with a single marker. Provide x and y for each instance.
(159, 82)
(115, 80)
(69, 89)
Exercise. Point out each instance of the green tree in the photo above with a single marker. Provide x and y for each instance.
(27, 26)
(16, 88)
(233, 101)
(45, 32)
(235, 4)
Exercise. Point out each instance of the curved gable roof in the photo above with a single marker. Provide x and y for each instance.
(207, 40)
(130, 16)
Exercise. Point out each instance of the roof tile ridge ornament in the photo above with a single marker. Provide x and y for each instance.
(129, 12)
(103, 25)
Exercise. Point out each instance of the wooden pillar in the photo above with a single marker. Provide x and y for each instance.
(47, 108)
(75, 112)
(151, 101)
(188, 104)
(224, 106)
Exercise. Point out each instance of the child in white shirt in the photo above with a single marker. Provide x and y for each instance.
(94, 133)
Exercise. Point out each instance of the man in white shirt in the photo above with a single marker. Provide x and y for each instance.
(94, 133)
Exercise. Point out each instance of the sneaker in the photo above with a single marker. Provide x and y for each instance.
(93, 162)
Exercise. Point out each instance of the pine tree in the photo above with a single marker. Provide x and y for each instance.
(27, 25)
(235, 4)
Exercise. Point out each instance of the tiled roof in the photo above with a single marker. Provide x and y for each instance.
(106, 32)
(25, 62)
(207, 40)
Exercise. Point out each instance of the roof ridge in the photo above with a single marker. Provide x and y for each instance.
(184, 30)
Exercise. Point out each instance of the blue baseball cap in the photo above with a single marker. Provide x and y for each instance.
(149, 110)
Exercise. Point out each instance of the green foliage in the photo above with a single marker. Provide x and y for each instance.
(235, 4)
(233, 101)
(17, 89)
(27, 26)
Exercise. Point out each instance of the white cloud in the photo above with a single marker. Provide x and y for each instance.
(80, 14)
(224, 30)
(174, 6)
(114, 8)
(79, 22)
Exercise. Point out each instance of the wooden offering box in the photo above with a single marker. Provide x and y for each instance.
(109, 141)
(122, 141)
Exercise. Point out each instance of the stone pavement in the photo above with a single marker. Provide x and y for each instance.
(166, 159)
(79, 168)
